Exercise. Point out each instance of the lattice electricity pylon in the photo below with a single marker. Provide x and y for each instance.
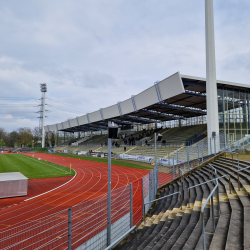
(43, 89)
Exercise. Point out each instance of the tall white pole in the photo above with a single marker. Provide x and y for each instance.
(109, 194)
(43, 134)
(211, 86)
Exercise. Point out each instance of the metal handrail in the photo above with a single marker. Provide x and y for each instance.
(238, 165)
(134, 228)
(182, 178)
(210, 197)
(208, 182)
(161, 199)
(212, 204)
(217, 193)
(202, 214)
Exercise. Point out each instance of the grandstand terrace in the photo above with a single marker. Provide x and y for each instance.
(207, 194)
(176, 106)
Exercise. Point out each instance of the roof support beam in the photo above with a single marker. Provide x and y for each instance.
(124, 122)
(194, 110)
(69, 130)
(163, 114)
(95, 126)
(141, 119)
(193, 93)
(191, 83)
(85, 128)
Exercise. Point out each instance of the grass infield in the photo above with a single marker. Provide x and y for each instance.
(31, 167)
(105, 160)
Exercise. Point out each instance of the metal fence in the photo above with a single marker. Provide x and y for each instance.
(84, 226)
(200, 149)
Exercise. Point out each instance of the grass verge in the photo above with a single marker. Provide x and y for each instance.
(105, 160)
(31, 167)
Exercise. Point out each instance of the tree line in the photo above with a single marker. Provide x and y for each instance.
(25, 137)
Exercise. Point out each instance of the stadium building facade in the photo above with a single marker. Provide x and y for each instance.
(177, 100)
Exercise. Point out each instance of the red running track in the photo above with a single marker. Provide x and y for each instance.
(35, 187)
(89, 183)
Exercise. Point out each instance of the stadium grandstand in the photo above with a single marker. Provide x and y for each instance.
(172, 106)
(203, 196)
(194, 194)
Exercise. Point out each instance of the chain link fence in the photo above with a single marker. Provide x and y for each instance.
(84, 226)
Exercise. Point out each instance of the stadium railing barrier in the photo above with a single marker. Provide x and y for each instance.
(84, 225)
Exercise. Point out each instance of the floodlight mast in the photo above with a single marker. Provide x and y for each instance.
(43, 90)
(211, 85)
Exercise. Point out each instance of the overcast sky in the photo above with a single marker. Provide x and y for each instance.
(95, 53)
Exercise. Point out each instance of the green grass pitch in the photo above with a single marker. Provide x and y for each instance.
(31, 167)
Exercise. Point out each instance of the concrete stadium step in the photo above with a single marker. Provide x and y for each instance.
(169, 228)
(220, 235)
(240, 202)
(184, 215)
(209, 224)
(158, 240)
(196, 233)
(166, 218)
(152, 222)
(195, 216)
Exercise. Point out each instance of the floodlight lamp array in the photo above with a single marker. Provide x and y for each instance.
(43, 87)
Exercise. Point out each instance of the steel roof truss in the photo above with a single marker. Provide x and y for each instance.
(163, 114)
(195, 110)
(141, 118)
(125, 122)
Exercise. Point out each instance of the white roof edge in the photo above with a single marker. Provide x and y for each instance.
(218, 81)
(178, 88)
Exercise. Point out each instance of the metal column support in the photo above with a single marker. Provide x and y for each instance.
(248, 112)
(131, 204)
(158, 92)
(188, 158)
(173, 170)
(119, 108)
(142, 198)
(69, 227)
(177, 157)
(210, 146)
(109, 194)
(212, 206)
(133, 102)
(202, 151)
(156, 163)
(211, 85)
(43, 129)
(215, 145)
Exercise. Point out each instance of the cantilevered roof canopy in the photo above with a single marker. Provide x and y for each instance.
(176, 97)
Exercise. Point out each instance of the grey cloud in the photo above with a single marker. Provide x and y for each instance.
(92, 54)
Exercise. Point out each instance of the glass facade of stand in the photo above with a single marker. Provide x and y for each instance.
(233, 113)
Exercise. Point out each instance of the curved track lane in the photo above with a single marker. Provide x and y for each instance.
(89, 183)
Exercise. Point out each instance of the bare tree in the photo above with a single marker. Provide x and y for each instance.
(36, 135)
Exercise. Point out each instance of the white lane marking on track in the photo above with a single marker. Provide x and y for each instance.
(104, 185)
(53, 188)
(118, 182)
(68, 194)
